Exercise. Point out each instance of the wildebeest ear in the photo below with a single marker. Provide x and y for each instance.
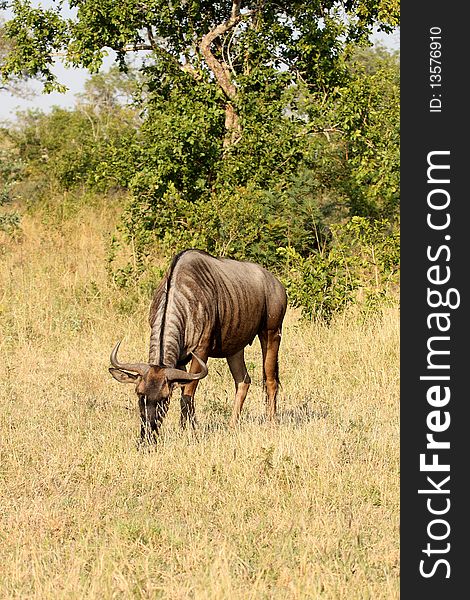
(123, 376)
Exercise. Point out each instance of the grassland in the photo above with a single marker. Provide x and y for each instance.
(306, 509)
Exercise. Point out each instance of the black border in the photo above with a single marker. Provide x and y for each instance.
(423, 131)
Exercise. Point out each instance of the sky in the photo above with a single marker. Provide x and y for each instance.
(75, 79)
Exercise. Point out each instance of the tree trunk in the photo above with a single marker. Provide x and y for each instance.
(223, 74)
(232, 125)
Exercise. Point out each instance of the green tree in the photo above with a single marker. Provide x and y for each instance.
(354, 135)
(236, 47)
(89, 146)
(16, 84)
(262, 125)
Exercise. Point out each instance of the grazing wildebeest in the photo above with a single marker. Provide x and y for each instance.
(206, 307)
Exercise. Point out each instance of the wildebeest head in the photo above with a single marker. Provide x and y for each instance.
(153, 385)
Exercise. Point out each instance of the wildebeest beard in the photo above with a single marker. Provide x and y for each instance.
(151, 417)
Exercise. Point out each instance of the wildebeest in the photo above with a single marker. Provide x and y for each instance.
(206, 307)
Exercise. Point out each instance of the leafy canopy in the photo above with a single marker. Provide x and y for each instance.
(262, 125)
(246, 39)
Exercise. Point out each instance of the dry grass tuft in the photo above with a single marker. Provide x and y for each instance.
(307, 509)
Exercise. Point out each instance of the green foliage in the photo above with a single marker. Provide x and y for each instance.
(15, 84)
(305, 37)
(180, 141)
(11, 171)
(35, 33)
(361, 264)
(291, 176)
(10, 222)
(361, 123)
(90, 146)
(11, 168)
(72, 148)
(262, 131)
(320, 284)
(370, 109)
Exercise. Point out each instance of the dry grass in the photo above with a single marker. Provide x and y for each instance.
(307, 509)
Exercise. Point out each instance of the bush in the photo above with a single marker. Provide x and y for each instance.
(309, 187)
(75, 148)
(362, 264)
(10, 222)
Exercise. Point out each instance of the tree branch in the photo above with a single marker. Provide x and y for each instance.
(187, 68)
(325, 131)
(220, 70)
(151, 45)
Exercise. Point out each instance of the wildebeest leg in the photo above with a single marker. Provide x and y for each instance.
(187, 405)
(242, 380)
(187, 396)
(270, 341)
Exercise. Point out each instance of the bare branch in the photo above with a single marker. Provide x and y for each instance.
(226, 50)
(125, 49)
(325, 131)
(150, 35)
(223, 70)
(235, 9)
(220, 70)
(152, 45)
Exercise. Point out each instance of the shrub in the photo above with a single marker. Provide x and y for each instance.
(361, 264)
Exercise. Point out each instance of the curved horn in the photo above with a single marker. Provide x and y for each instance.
(140, 368)
(179, 375)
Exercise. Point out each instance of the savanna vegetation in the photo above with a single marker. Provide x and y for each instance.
(305, 509)
(263, 131)
(256, 130)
